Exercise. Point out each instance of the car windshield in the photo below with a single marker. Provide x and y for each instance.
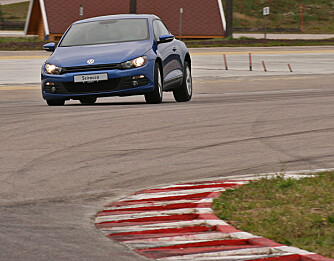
(107, 31)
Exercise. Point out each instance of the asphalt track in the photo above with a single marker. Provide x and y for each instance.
(60, 165)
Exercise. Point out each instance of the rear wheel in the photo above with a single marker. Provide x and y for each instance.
(88, 100)
(156, 95)
(55, 102)
(185, 91)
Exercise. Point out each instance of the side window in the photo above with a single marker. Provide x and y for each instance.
(159, 29)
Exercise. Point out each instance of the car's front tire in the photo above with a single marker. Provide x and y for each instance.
(185, 91)
(58, 102)
(88, 100)
(156, 95)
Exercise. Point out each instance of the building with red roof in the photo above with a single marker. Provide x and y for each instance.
(49, 19)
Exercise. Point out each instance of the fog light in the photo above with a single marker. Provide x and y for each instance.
(49, 84)
(53, 89)
(135, 83)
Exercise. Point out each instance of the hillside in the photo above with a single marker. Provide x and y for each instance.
(15, 12)
(318, 14)
(284, 14)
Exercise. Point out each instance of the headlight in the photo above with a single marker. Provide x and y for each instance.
(52, 69)
(135, 63)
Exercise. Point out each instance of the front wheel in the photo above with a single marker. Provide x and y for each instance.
(58, 102)
(156, 95)
(185, 91)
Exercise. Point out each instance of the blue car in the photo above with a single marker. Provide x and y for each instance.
(116, 55)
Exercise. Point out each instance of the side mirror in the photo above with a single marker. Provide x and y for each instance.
(165, 38)
(49, 47)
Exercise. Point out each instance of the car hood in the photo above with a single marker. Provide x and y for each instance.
(102, 53)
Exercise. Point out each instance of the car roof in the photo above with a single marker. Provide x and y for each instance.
(120, 16)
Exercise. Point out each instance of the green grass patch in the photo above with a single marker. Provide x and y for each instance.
(318, 15)
(18, 39)
(20, 43)
(292, 212)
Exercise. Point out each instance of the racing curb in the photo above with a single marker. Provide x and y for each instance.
(177, 223)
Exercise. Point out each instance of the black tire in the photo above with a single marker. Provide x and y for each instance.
(57, 102)
(157, 94)
(88, 100)
(185, 91)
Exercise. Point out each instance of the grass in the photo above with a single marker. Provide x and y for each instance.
(318, 15)
(18, 39)
(289, 211)
(15, 12)
(20, 43)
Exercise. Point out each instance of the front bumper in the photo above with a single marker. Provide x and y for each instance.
(120, 83)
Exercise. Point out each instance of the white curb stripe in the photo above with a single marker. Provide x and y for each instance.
(153, 214)
(236, 182)
(171, 193)
(293, 250)
(186, 239)
(202, 236)
(229, 253)
(169, 225)
(172, 241)
(243, 235)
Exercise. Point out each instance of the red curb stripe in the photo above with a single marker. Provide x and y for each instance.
(153, 208)
(161, 233)
(213, 243)
(264, 242)
(153, 253)
(280, 258)
(227, 229)
(210, 216)
(222, 185)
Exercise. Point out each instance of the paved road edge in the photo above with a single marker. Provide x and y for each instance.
(176, 222)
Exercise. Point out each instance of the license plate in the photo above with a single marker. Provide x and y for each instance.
(91, 77)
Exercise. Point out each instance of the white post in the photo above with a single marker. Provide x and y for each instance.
(265, 13)
(81, 11)
(180, 26)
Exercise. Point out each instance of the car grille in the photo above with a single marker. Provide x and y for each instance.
(87, 68)
(96, 87)
(82, 87)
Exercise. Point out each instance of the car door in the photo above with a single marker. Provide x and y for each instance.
(169, 52)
